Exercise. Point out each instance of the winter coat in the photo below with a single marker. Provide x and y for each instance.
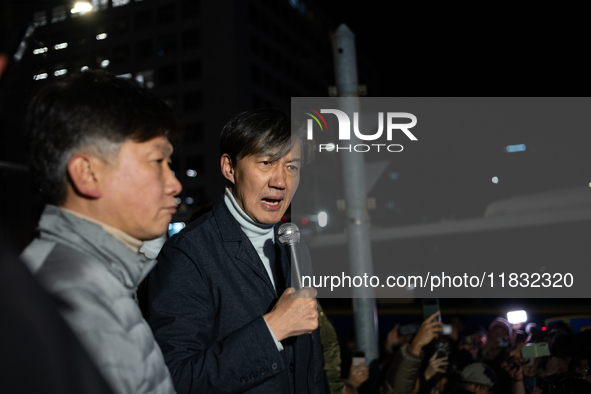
(95, 277)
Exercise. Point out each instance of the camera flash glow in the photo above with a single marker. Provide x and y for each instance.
(517, 317)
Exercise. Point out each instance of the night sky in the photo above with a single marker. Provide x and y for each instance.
(448, 51)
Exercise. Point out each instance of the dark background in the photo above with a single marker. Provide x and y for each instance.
(405, 50)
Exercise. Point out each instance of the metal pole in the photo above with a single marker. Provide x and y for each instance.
(364, 306)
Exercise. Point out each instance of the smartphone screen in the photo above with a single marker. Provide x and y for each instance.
(358, 358)
(430, 306)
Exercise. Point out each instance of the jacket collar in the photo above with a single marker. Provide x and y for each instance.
(90, 238)
(230, 232)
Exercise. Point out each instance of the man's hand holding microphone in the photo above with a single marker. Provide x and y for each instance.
(295, 313)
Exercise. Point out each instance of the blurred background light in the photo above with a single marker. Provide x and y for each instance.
(515, 148)
(322, 219)
(81, 7)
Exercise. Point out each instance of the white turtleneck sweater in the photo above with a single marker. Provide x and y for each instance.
(262, 238)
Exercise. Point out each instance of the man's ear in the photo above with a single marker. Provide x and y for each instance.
(82, 169)
(227, 167)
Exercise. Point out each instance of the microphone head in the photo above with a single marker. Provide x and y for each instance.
(289, 234)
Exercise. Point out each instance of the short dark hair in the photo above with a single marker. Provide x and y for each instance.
(265, 132)
(91, 110)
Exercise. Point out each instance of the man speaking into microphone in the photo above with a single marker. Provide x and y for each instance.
(220, 302)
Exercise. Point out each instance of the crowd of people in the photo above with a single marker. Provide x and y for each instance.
(475, 360)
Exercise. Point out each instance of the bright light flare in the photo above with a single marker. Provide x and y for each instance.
(495, 180)
(515, 317)
(81, 7)
(101, 36)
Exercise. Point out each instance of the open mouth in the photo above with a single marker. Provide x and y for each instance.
(272, 202)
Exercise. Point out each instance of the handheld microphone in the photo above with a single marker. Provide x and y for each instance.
(289, 236)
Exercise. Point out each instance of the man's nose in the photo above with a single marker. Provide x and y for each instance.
(173, 185)
(278, 178)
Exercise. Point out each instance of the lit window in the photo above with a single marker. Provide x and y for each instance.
(58, 14)
(39, 51)
(40, 76)
(98, 5)
(40, 18)
(119, 3)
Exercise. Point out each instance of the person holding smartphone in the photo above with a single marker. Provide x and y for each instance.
(404, 370)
